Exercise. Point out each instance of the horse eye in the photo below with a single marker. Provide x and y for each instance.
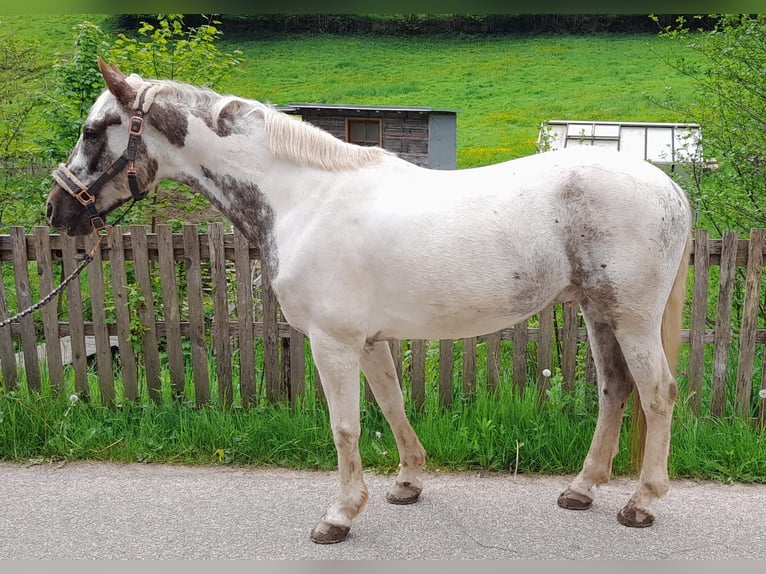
(90, 134)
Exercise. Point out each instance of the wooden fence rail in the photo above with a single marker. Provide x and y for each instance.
(167, 303)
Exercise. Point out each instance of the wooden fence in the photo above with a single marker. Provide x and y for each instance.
(169, 302)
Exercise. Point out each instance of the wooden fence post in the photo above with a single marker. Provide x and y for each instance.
(246, 335)
(171, 309)
(747, 333)
(75, 311)
(723, 333)
(696, 366)
(145, 311)
(196, 317)
(520, 335)
(23, 301)
(446, 364)
(100, 329)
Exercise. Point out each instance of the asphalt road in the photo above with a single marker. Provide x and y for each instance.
(89, 510)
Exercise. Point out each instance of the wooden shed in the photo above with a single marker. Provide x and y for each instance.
(422, 135)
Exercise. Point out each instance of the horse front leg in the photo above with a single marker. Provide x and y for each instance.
(378, 366)
(338, 366)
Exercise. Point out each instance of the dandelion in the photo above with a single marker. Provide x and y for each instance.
(546, 373)
(73, 399)
(378, 435)
(762, 393)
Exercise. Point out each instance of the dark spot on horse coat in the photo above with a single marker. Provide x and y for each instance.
(248, 209)
(171, 123)
(584, 241)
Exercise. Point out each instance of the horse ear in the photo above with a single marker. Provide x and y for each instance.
(117, 84)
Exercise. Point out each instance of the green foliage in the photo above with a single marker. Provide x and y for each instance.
(170, 50)
(78, 83)
(730, 104)
(18, 68)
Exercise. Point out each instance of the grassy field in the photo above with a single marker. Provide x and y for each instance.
(505, 87)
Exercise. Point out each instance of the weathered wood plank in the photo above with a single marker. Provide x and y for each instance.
(493, 360)
(723, 333)
(695, 370)
(24, 301)
(469, 366)
(219, 332)
(100, 330)
(418, 372)
(520, 355)
(75, 313)
(7, 353)
(569, 341)
(128, 364)
(747, 333)
(145, 311)
(171, 309)
(544, 349)
(49, 312)
(246, 339)
(196, 315)
(446, 364)
(274, 388)
(297, 364)
(396, 355)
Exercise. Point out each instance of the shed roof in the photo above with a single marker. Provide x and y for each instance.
(297, 107)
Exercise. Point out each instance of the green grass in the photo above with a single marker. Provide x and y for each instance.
(480, 434)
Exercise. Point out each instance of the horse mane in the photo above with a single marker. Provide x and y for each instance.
(289, 139)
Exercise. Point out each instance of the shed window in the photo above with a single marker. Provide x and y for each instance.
(363, 132)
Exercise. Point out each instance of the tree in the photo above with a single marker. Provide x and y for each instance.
(169, 50)
(730, 106)
(17, 153)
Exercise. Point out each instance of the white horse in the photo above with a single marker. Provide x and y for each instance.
(362, 247)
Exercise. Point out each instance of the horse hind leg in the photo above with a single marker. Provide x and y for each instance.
(657, 392)
(614, 386)
(338, 366)
(378, 366)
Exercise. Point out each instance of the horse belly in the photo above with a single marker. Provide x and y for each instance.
(453, 307)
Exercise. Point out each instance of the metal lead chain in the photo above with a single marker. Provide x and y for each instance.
(50, 296)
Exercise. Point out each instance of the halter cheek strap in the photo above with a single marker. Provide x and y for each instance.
(85, 194)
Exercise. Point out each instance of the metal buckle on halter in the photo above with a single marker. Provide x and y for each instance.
(99, 225)
(84, 196)
(136, 126)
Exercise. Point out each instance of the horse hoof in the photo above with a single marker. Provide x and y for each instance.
(404, 493)
(326, 533)
(572, 500)
(634, 518)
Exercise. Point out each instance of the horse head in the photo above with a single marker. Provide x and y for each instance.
(111, 162)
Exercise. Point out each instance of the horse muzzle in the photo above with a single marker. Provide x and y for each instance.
(65, 214)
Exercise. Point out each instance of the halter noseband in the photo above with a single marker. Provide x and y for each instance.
(84, 194)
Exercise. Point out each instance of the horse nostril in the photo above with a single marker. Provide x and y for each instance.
(48, 210)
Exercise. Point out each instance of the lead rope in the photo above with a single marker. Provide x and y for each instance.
(71, 277)
(50, 296)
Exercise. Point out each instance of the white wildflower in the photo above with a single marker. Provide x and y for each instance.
(73, 399)
(762, 393)
(546, 373)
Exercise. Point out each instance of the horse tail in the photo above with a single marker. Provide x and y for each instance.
(671, 318)
(671, 344)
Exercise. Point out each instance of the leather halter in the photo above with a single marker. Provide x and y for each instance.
(85, 194)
